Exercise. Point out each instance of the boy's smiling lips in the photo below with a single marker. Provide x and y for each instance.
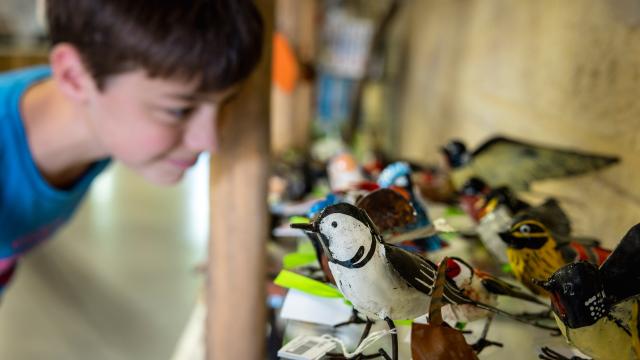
(183, 163)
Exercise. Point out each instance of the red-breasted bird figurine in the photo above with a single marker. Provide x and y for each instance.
(539, 243)
(493, 210)
(482, 287)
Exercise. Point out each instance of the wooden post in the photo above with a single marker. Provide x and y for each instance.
(236, 301)
(292, 113)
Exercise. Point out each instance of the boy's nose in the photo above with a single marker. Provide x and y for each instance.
(202, 131)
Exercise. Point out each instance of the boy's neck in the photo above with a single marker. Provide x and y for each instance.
(60, 140)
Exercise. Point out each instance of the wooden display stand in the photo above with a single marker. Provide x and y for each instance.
(237, 250)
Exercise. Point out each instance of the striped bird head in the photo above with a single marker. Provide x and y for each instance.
(527, 234)
(459, 271)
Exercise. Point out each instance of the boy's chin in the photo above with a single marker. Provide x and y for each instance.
(163, 178)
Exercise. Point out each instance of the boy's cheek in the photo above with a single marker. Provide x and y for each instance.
(140, 149)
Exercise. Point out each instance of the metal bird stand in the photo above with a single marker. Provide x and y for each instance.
(436, 340)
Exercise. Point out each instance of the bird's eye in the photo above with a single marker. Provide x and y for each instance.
(334, 224)
(525, 229)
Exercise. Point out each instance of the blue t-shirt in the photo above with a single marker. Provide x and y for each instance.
(30, 208)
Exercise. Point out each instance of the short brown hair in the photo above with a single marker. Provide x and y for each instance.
(217, 42)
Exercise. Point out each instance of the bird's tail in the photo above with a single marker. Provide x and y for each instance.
(521, 319)
(454, 295)
(502, 288)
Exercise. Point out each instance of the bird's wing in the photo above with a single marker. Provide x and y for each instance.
(621, 273)
(388, 209)
(415, 234)
(501, 287)
(421, 274)
(497, 286)
(503, 161)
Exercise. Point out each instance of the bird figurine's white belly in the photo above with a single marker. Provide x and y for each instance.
(490, 225)
(376, 290)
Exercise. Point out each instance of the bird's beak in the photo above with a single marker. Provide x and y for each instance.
(543, 284)
(304, 227)
(507, 238)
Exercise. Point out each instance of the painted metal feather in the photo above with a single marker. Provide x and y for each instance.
(503, 161)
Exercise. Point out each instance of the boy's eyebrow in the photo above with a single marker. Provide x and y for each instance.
(193, 97)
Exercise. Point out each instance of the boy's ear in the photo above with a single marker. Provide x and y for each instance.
(70, 73)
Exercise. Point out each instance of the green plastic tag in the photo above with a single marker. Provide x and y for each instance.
(453, 211)
(306, 247)
(448, 236)
(294, 260)
(506, 268)
(291, 280)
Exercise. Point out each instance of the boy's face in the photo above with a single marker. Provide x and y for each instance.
(155, 126)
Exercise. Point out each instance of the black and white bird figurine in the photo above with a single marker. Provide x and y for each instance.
(381, 280)
(597, 308)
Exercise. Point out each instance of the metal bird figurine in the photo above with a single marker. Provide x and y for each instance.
(503, 161)
(381, 280)
(471, 197)
(493, 209)
(399, 174)
(539, 243)
(482, 287)
(388, 210)
(344, 172)
(596, 308)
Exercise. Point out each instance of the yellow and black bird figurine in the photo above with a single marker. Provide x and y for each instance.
(539, 243)
(596, 308)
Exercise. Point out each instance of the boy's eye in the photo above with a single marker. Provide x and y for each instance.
(180, 113)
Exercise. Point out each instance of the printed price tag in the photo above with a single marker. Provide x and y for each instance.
(306, 347)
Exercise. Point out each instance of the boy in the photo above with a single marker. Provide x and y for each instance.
(137, 81)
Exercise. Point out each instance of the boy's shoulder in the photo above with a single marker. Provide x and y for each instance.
(14, 83)
(23, 76)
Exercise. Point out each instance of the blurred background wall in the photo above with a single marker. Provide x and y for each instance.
(565, 73)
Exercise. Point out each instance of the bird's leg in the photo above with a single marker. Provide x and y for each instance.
(394, 338)
(483, 342)
(354, 319)
(549, 354)
(365, 333)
